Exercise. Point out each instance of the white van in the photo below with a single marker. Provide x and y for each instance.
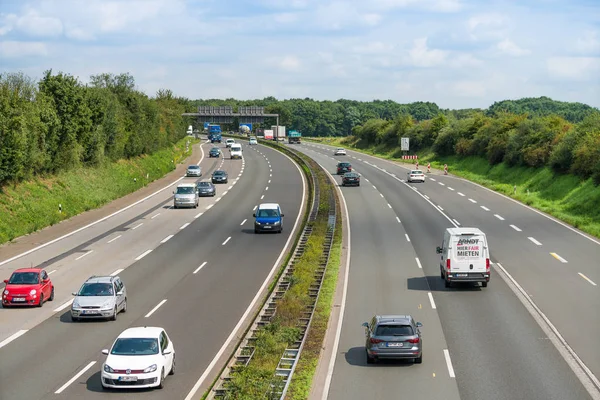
(235, 151)
(465, 256)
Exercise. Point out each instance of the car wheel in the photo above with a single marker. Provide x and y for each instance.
(114, 316)
(370, 360)
(484, 284)
(124, 306)
(51, 294)
(161, 379)
(447, 283)
(74, 319)
(172, 372)
(419, 360)
(255, 230)
(41, 303)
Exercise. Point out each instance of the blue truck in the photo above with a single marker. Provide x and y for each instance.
(214, 133)
(294, 137)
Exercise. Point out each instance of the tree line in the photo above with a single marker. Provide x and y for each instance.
(59, 123)
(516, 139)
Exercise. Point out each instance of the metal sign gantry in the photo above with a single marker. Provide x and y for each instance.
(225, 115)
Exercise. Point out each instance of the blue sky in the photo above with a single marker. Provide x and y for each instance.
(457, 53)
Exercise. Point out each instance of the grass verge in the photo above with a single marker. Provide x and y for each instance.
(566, 197)
(33, 205)
(254, 381)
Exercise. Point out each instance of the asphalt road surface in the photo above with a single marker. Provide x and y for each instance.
(207, 264)
(479, 343)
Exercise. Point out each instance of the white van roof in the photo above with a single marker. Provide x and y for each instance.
(186, 185)
(465, 231)
(268, 206)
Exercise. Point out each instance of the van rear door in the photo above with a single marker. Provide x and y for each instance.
(469, 252)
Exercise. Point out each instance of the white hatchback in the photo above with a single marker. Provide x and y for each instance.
(415, 175)
(139, 358)
(340, 152)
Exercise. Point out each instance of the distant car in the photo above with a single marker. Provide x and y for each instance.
(214, 152)
(193, 170)
(186, 195)
(268, 218)
(219, 176)
(141, 357)
(415, 175)
(229, 142)
(252, 141)
(206, 189)
(339, 152)
(99, 297)
(393, 337)
(27, 287)
(351, 179)
(343, 167)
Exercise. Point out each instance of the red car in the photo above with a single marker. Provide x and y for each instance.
(27, 287)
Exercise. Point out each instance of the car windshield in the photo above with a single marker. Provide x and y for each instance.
(394, 330)
(344, 164)
(96, 289)
(267, 213)
(135, 347)
(185, 190)
(24, 278)
(204, 184)
(416, 172)
(351, 175)
(219, 173)
(214, 150)
(193, 167)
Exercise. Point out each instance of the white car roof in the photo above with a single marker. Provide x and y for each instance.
(141, 332)
(465, 231)
(268, 206)
(186, 185)
(230, 139)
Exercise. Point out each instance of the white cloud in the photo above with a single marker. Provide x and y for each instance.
(488, 26)
(373, 48)
(32, 24)
(469, 88)
(421, 56)
(15, 49)
(508, 47)
(589, 43)
(441, 6)
(464, 60)
(574, 68)
(287, 63)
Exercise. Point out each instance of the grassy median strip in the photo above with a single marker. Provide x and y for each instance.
(566, 197)
(32, 205)
(254, 381)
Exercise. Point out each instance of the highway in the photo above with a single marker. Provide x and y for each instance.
(192, 271)
(478, 343)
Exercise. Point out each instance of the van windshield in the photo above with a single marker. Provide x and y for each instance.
(468, 247)
(185, 190)
(267, 213)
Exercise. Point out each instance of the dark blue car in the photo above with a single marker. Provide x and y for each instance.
(268, 218)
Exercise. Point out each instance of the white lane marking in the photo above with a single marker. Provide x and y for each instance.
(137, 226)
(225, 192)
(235, 330)
(243, 222)
(366, 180)
(144, 254)
(100, 220)
(472, 201)
(360, 159)
(270, 169)
(63, 306)
(208, 207)
(432, 179)
(155, 308)
(534, 241)
(12, 337)
(427, 197)
(155, 215)
(374, 187)
(262, 197)
(455, 221)
(165, 240)
(381, 194)
(398, 219)
(559, 258)
(267, 188)
(449, 363)
(200, 267)
(441, 183)
(184, 226)
(460, 194)
(389, 205)
(516, 228)
(255, 207)
(407, 238)
(270, 175)
(580, 274)
(269, 181)
(229, 188)
(198, 215)
(226, 240)
(419, 262)
(84, 254)
(449, 188)
(113, 239)
(440, 207)
(431, 300)
(485, 208)
(499, 217)
(51, 272)
(117, 272)
(218, 199)
(73, 379)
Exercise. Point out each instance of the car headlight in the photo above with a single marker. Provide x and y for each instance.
(33, 291)
(276, 222)
(75, 304)
(151, 368)
(107, 368)
(6, 292)
(107, 304)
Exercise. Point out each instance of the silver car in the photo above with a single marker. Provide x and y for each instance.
(99, 297)
(186, 195)
(193, 170)
(394, 337)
